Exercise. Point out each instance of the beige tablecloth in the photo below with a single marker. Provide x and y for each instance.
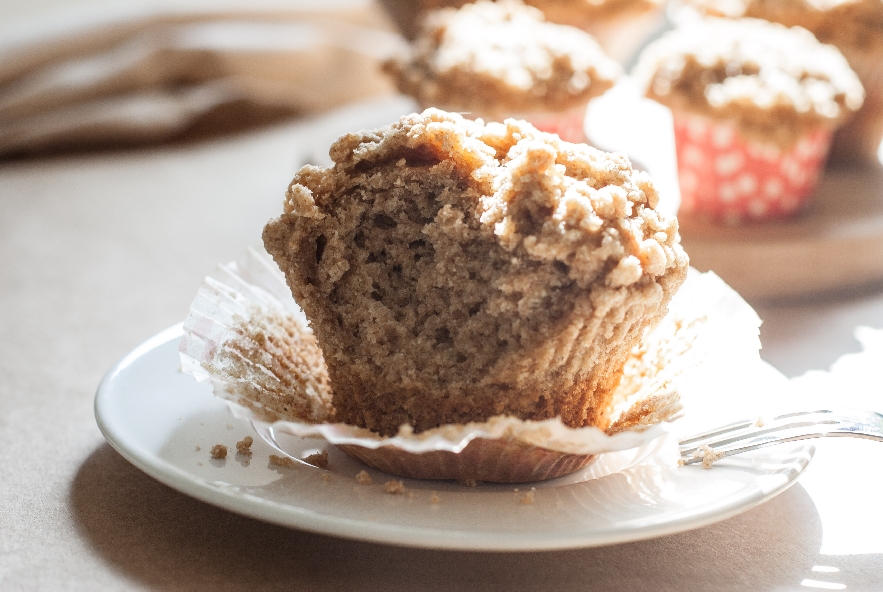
(99, 252)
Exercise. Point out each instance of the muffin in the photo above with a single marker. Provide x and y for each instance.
(453, 271)
(754, 105)
(619, 25)
(500, 60)
(855, 27)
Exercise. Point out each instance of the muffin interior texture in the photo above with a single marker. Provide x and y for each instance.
(453, 271)
(775, 83)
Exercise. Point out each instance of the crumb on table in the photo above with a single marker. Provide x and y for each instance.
(433, 498)
(282, 461)
(319, 459)
(469, 482)
(198, 448)
(326, 477)
(219, 451)
(363, 478)
(244, 446)
(394, 487)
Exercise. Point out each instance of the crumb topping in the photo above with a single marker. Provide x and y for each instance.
(502, 57)
(774, 82)
(218, 451)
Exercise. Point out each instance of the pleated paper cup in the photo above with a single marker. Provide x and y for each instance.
(732, 179)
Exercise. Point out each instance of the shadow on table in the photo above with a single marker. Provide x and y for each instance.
(164, 539)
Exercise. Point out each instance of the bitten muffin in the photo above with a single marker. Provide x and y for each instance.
(453, 271)
(761, 94)
(499, 60)
(855, 27)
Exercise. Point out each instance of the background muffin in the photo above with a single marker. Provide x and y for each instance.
(500, 60)
(453, 271)
(856, 28)
(619, 25)
(754, 105)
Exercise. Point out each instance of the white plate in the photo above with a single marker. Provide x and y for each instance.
(156, 417)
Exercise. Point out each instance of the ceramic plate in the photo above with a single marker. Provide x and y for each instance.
(165, 423)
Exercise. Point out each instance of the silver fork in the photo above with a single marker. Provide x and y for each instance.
(743, 436)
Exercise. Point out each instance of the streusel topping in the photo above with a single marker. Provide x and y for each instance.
(502, 58)
(776, 83)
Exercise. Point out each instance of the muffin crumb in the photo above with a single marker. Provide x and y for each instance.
(198, 448)
(469, 482)
(394, 487)
(528, 498)
(434, 499)
(282, 461)
(318, 459)
(244, 446)
(326, 477)
(708, 455)
(363, 478)
(219, 451)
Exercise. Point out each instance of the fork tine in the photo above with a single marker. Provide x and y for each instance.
(744, 436)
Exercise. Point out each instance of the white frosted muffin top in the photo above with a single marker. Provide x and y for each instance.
(502, 58)
(844, 23)
(775, 82)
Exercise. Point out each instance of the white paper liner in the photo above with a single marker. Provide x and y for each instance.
(709, 335)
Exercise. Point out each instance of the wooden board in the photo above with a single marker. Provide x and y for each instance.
(837, 243)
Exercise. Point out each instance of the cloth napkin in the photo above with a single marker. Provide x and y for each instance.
(100, 74)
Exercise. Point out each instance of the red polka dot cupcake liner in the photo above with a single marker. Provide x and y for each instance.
(727, 178)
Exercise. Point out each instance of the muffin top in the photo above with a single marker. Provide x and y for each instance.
(775, 83)
(845, 23)
(408, 14)
(500, 59)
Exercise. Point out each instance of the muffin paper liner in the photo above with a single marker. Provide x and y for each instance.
(729, 178)
(709, 335)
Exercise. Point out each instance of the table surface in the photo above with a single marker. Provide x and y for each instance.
(100, 251)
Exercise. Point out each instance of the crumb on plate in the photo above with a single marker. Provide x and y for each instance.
(219, 451)
(244, 446)
(318, 459)
(282, 461)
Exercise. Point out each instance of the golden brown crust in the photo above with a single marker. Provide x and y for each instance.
(500, 59)
(453, 271)
(775, 83)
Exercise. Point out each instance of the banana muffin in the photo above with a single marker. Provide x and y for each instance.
(754, 106)
(855, 27)
(453, 271)
(502, 59)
